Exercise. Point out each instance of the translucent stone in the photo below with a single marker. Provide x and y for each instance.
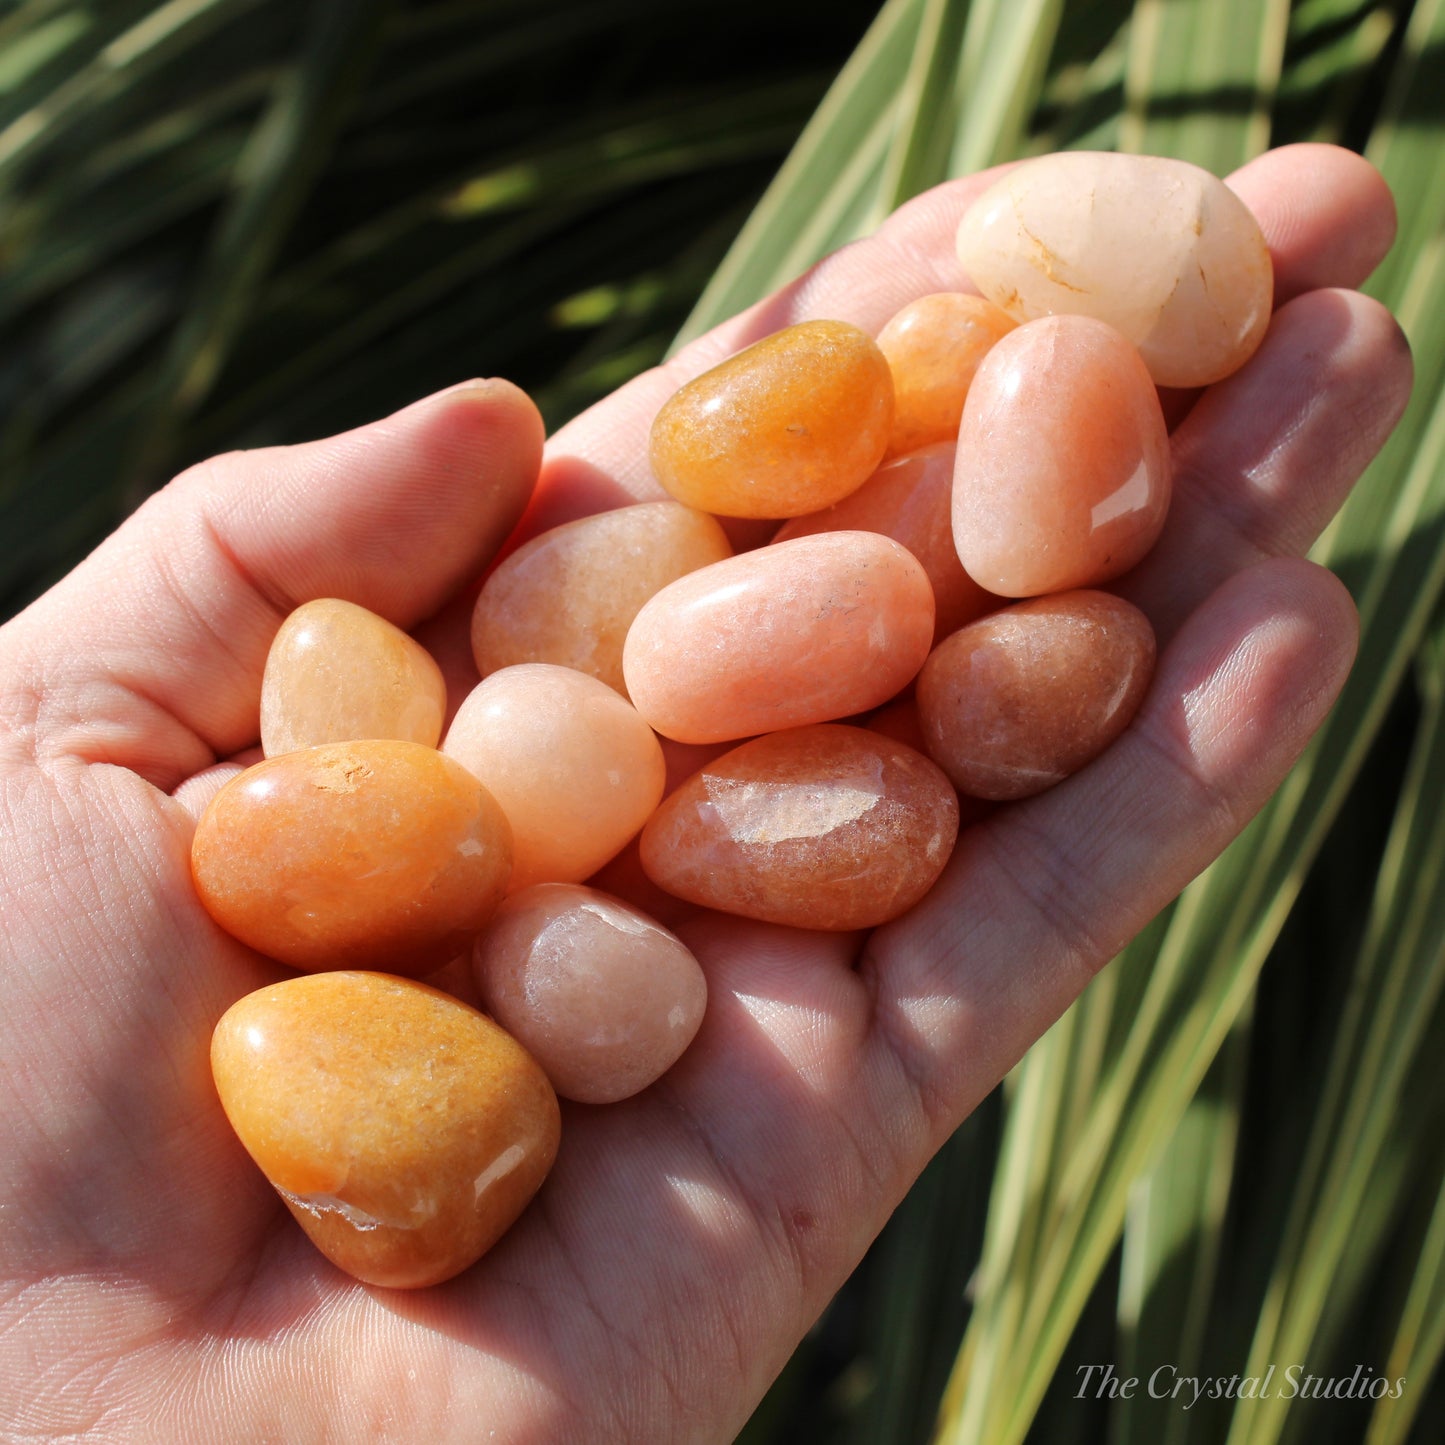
(795, 633)
(819, 827)
(336, 673)
(934, 346)
(605, 999)
(792, 424)
(1160, 249)
(404, 1131)
(1062, 478)
(569, 595)
(911, 500)
(575, 769)
(1017, 701)
(373, 854)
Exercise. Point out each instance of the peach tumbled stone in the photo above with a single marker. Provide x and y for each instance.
(569, 595)
(1062, 477)
(573, 766)
(404, 1130)
(336, 673)
(934, 346)
(604, 998)
(1163, 251)
(819, 827)
(790, 634)
(372, 854)
(789, 425)
(1019, 700)
(911, 500)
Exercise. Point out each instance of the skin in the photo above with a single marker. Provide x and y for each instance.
(151, 1287)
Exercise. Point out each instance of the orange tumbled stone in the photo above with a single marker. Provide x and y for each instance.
(404, 1130)
(374, 854)
(934, 346)
(604, 998)
(1062, 477)
(791, 424)
(1015, 702)
(790, 634)
(573, 766)
(819, 827)
(569, 595)
(337, 672)
(911, 500)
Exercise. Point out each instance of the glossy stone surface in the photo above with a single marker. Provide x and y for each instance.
(1015, 702)
(789, 425)
(404, 1130)
(569, 595)
(573, 766)
(374, 854)
(820, 827)
(911, 500)
(789, 634)
(1160, 249)
(336, 673)
(1062, 478)
(604, 998)
(934, 346)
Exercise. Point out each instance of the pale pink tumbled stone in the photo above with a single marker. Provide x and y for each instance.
(575, 769)
(602, 997)
(798, 632)
(1062, 478)
(569, 595)
(337, 673)
(1163, 251)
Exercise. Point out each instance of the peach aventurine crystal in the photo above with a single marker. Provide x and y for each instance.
(370, 854)
(794, 633)
(819, 827)
(404, 1130)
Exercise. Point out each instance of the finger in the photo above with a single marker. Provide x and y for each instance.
(150, 653)
(1268, 455)
(1325, 212)
(1036, 900)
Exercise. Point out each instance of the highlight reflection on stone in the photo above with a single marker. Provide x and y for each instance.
(404, 1131)
(819, 827)
(604, 998)
(372, 854)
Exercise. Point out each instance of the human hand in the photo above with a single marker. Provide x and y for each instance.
(151, 1284)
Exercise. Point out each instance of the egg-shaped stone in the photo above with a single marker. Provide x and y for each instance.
(794, 633)
(404, 1130)
(372, 854)
(1163, 251)
(791, 424)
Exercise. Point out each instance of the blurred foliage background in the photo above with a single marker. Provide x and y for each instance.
(232, 222)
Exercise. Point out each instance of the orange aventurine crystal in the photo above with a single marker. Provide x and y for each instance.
(366, 854)
(404, 1130)
(819, 827)
(792, 424)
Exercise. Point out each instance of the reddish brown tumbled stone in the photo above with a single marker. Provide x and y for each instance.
(1015, 702)
(819, 827)
(373, 854)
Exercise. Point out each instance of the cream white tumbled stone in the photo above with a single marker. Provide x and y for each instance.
(1163, 251)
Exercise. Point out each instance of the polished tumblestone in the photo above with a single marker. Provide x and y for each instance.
(1019, 700)
(404, 1130)
(1163, 251)
(373, 854)
(789, 425)
(819, 827)
(604, 998)
(790, 634)
(569, 595)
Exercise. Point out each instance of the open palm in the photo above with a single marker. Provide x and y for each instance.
(152, 1286)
